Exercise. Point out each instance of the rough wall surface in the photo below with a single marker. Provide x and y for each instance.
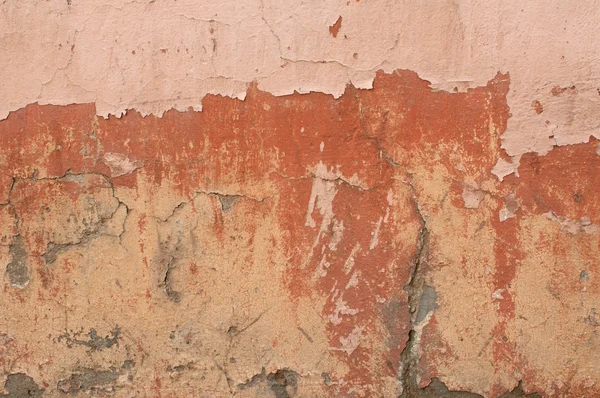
(299, 199)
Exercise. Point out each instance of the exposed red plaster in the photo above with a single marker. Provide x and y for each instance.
(335, 28)
(564, 181)
(359, 272)
(408, 118)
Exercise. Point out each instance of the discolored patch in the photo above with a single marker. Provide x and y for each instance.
(19, 385)
(17, 271)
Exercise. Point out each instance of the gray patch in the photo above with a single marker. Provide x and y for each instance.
(233, 331)
(95, 342)
(19, 385)
(90, 380)
(427, 302)
(584, 276)
(128, 364)
(96, 381)
(17, 272)
(227, 201)
(52, 251)
(284, 383)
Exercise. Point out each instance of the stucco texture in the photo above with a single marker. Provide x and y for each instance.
(299, 198)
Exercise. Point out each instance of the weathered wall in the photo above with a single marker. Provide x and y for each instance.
(256, 198)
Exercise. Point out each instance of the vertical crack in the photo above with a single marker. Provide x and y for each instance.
(409, 359)
(173, 295)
